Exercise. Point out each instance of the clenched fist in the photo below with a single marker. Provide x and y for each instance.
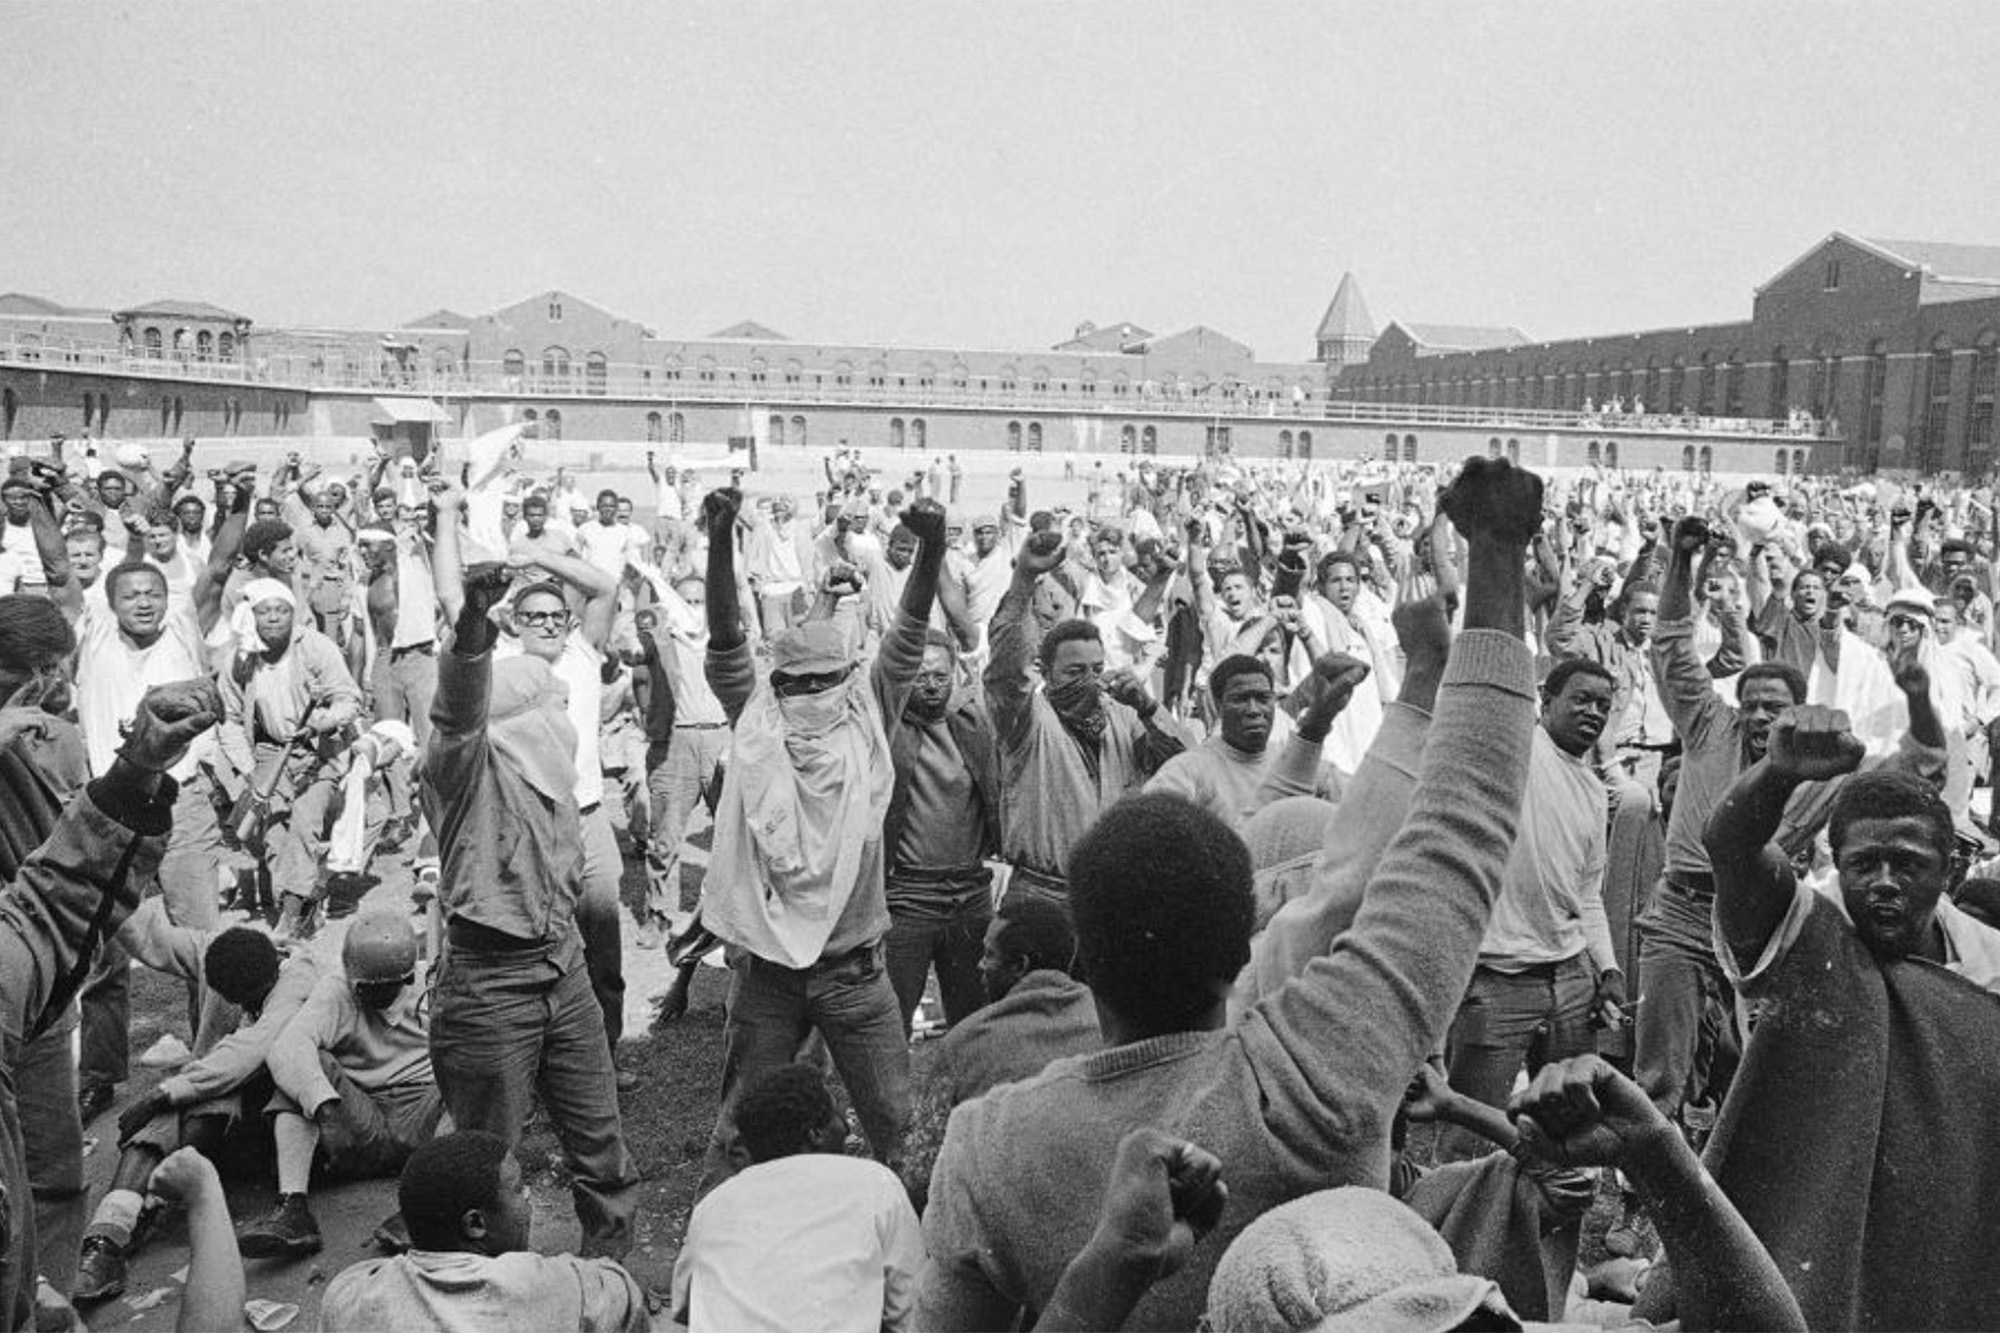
(170, 718)
(1493, 499)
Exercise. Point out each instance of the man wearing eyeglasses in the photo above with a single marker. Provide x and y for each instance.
(795, 884)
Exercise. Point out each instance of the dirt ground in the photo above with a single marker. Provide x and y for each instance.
(667, 1123)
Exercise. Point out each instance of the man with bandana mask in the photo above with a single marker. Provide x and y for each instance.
(514, 1016)
(78, 879)
(353, 1073)
(796, 882)
(288, 700)
(1067, 751)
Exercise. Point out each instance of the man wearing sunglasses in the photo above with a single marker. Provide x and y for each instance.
(795, 884)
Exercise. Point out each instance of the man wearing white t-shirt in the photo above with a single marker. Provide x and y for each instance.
(573, 646)
(608, 543)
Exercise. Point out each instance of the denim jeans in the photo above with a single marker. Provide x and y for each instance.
(938, 920)
(597, 921)
(508, 1026)
(189, 883)
(370, 1134)
(52, 1144)
(848, 1001)
(1680, 978)
(1511, 1018)
(677, 776)
(405, 685)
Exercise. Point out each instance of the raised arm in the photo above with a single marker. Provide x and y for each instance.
(447, 566)
(1754, 884)
(599, 589)
(1686, 688)
(1011, 640)
(902, 650)
(228, 541)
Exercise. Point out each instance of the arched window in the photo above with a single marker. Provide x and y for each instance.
(1781, 373)
(1873, 389)
(1611, 453)
(1149, 441)
(204, 346)
(1493, 447)
(1389, 445)
(127, 344)
(225, 347)
(1595, 455)
(1128, 438)
(181, 346)
(1704, 396)
(1284, 444)
(513, 365)
(1676, 385)
(1937, 408)
(1800, 459)
(1306, 445)
(1034, 437)
(919, 433)
(677, 428)
(1513, 451)
(653, 430)
(531, 416)
(595, 373)
(896, 440)
(1687, 458)
(1707, 460)
(1409, 448)
(1625, 383)
(776, 427)
(153, 344)
(555, 364)
(552, 425)
(1732, 385)
(1013, 437)
(1825, 383)
(795, 434)
(1979, 421)
(1784, 462)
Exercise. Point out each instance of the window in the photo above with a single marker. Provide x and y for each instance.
(1013, 437)
(1128, 438)
(1873, 387)
(595, 374)
(1149, 441)
(552, 425)
(1707, 460)
(181, 345)
(1611, 453)
(1389, 445)
(896, 436)
(153, 344)
(1218, 439)
(919, 433)
(1034, 437)
(1513, 451)
(1687, 458)
(1493, 447)
(1831, 281)
(1937, 410)
(653, 432)
(798, 433)
(677, 428)
(1781, 373)
(705, 370)
(1799, 460)
(1732, 386)
(89, 411)
(555, 311)
(1284, 444)
(513, 365)
(1409, 448)
(1784, 462)
(776, 429)
(1676, 383)
(204, 346)
(531, 416)
(1704, 394)
(225, 347)
(555, 364)
(1979, 421)
(9, 405)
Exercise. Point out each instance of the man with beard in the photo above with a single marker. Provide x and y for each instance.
(1067, 752)
(287, 700)
(1677, 954)
(1856, 1138)
(1236, 772)
(74, 868)
(795, 884)
(1546, 963)
(942, 824)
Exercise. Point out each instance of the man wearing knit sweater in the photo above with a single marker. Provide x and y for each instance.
(1298, 1094)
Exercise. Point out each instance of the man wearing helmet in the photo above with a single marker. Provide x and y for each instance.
(353, 1071)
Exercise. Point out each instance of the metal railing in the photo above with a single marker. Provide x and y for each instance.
(744, 387)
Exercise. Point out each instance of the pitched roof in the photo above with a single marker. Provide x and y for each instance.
(443, 318)
(1117, 337)
(1462, 337)
(21, 303)
(1347, 317)
(188, 309)
(751, 331)
(1945, 261)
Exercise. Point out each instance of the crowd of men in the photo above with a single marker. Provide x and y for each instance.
(1334, 881)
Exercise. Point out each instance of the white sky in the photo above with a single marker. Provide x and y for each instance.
(982, 175)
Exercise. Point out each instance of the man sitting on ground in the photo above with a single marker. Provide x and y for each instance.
(802, 1237)
(469, 1266)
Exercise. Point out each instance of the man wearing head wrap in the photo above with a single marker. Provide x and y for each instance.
(32, 553)
(287, 702)
(142, 639)
(795, 883)
(63, 893)
(514, 1016)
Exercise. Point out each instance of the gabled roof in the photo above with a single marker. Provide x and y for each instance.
(1347, 318)
(188, 310)
(749, 330)
(1947, 262)
(1118, 337)
(21, 303)
(442, 318)
(1197, 335)
(1461, 337)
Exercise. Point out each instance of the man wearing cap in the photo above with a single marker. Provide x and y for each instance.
(514, 1016)
(33, 556)
(995, 539)
(795, 883)
(287, 701)
(353, 1076)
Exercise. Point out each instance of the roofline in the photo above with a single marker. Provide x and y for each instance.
(1858, 242)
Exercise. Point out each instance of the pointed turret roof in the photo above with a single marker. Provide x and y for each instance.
(1348, 316)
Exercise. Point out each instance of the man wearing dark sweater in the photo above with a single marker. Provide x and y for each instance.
(1299, 1093)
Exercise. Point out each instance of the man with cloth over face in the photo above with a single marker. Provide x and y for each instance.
(795, 884)
(514, 1014)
